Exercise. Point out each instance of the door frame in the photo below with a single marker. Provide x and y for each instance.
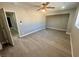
(10, 40)
(15, 20)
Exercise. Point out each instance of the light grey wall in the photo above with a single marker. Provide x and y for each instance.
(75, 36)
(31, 19)
(71, 13)
(71, 20)
(58, 22)
(13, 20)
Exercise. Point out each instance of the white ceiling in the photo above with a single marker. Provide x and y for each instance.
(57, 5)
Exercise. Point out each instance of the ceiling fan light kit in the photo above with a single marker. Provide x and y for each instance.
(43, 10)
(44, 7)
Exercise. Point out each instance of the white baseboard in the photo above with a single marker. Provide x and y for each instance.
(57, 29)
(31, 32)
(71, 45)
(68, 33)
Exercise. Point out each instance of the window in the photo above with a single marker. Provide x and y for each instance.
(77, 21)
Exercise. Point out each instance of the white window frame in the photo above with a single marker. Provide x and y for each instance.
(77, 21)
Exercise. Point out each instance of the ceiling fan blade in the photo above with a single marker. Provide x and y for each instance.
(47, 3)
(51, 7)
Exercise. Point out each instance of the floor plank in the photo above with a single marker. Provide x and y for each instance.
(45, 43)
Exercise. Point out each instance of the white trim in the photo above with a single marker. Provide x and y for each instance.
(68, 33)
(57, 29)
(9, 11)
(31, 32)
(71, 45)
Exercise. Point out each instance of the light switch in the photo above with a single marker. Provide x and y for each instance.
(21, 22)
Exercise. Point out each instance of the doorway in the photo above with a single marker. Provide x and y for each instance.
(11, 19)
(5, 33)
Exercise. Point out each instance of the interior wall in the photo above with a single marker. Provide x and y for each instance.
(58, 22)
(28, 18)
(13, 20)
(13, 17)
(75, 36)
(71, 13)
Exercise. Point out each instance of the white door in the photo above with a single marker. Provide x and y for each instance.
(4, 28)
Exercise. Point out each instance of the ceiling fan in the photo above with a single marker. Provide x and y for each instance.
(44, 7)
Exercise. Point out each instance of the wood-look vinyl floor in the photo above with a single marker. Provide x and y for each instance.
(45, 43)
